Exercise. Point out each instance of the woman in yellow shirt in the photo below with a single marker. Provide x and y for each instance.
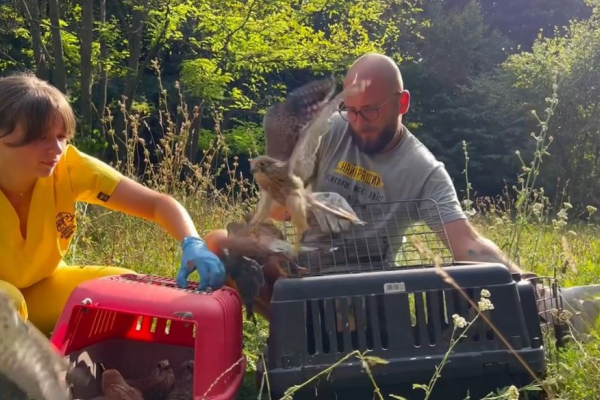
(41, 178)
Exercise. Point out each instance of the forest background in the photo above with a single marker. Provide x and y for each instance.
(505, 93)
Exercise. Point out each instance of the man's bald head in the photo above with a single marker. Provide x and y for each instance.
(375, 115)
(379, 68)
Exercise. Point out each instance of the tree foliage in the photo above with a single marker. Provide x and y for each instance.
(475, 70)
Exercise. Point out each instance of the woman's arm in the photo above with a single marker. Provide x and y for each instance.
(137, 200)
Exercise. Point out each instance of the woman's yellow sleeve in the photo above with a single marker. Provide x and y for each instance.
(92, 180)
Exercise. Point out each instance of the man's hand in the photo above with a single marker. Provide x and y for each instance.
(196, 256)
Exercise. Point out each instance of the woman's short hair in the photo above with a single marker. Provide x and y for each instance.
(33, 105)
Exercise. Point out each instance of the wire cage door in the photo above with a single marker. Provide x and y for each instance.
(384, 242)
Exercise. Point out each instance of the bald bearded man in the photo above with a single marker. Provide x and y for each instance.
(369, 156)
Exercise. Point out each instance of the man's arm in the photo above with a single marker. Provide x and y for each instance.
(469, 245)
(460, 236)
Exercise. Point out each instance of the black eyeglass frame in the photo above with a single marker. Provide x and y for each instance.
(374, 109)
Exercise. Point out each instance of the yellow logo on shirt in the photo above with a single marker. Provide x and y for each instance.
(65, 224)
(360, 174)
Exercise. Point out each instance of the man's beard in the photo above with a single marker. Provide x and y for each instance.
(375, 146)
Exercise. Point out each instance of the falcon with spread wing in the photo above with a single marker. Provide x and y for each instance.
(293, 132)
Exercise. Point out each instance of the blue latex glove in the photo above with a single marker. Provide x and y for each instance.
(196, 256)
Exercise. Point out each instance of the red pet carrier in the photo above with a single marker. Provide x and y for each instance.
(131, 322)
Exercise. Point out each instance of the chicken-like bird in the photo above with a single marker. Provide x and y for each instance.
(158, 384)
(293, 132)
(184, 383)
(114, 387)
(253, 260)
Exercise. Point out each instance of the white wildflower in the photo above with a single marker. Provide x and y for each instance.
(559, 224)
(485, 304)
(485, 293)
(512, 393)
(562, 214)
(459, 321)
(537, 209)
(591, 209)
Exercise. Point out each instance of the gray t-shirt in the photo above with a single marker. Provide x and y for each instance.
(388, 191)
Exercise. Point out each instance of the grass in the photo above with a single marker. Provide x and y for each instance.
(538, 237)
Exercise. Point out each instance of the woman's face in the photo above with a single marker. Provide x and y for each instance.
(36, 159)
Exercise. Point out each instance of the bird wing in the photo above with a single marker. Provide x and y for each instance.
(303, 159)
(283, 121)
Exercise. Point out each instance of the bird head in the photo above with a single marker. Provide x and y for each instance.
(163, 366)
(263, 164)
(186, 370)
(164, 374)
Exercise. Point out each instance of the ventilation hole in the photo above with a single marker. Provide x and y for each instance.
(412, 309)
(310, 329)
(339, 324)
(353, 317)
(412, 304)
(446, 319)
(324, 333)
(424, 297)
(458, 303)
(383, 328)
(139, 323)
(167, 327)
(153, 325)
(432, 312)
(369, 332)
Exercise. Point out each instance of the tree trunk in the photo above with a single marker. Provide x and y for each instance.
(59, 73)
(139, 14)
(87, 30)
(40, 53)
(103, 81)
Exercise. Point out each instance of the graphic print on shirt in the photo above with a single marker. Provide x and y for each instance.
(358, 185)
(65, 224)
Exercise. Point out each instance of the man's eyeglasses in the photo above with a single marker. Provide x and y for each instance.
(368, 113)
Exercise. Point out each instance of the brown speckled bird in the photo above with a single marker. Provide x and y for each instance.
(293, 131)
(253, 260)
(184, 382)
(158, 384)
(114, 387)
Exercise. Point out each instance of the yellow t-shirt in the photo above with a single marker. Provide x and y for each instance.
(51, 222)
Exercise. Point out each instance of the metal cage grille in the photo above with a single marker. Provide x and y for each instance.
(553, 318)
(383, 243)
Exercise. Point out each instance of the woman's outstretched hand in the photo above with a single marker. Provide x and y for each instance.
(196, 256)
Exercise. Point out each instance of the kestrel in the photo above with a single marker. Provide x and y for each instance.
(293, 132)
